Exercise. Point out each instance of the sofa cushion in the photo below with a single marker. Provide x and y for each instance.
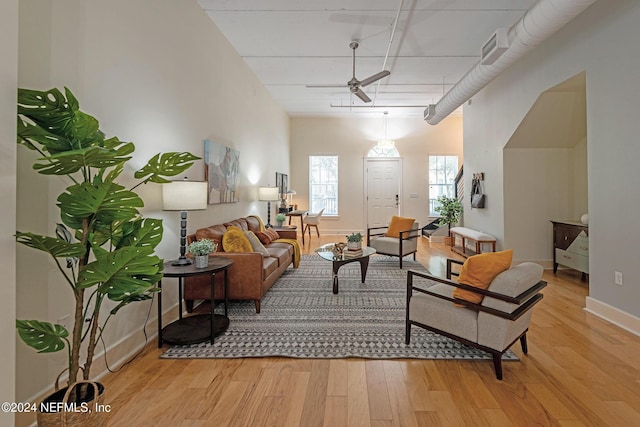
(269, 265)
(397, 225)
(241, 223)
(283, 245)
(256, 244)
(253, 223)
(215, 233)
(281, 254)
(234, 240)
(479, 271)
(431, 311)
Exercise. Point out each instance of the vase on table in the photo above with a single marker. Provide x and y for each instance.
(202, 261)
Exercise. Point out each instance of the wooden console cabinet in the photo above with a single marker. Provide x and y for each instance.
(571, 246)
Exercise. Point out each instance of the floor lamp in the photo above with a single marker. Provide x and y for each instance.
(268, 194)
(184, 196)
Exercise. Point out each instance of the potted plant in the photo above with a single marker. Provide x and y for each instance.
(280, 219)
(200, 249)
(450, 210)
(354, 241)
(103, 248)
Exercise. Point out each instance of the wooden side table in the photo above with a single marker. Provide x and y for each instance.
(287, 231)
(200, 327)
(300, 214)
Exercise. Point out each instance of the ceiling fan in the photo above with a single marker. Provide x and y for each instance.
(354, 84)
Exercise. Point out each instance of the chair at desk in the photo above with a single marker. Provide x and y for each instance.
(312, 220)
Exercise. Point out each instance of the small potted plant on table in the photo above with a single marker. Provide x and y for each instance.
(280, 219)
(200, 249)
(354, 241)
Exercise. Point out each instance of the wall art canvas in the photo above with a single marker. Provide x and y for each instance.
(222, 172)
(282, 184)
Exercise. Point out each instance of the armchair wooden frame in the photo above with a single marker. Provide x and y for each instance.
(405, 235)
(530, 297)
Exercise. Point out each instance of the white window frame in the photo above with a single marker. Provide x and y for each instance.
(445, 176)
(323, 186)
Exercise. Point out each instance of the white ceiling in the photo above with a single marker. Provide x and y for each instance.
(293, 43)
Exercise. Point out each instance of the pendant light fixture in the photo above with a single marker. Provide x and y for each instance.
(386, 142)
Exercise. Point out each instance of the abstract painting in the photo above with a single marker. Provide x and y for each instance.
(222, 172)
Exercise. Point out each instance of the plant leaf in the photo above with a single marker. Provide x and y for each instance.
(59, 116)
(28, 134)
(166, 164)
(141, 232)
(43, 336)
(134, 298)
(69, 162)
(123, 273)
(106, 202)
(56, 247)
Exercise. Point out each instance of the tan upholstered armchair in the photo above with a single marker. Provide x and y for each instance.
(494, 325)
(405, 244)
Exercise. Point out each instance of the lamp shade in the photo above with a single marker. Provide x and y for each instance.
(268, 194)
(184, 196)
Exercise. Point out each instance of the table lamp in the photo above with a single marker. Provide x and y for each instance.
(184, 196)
(268, 194)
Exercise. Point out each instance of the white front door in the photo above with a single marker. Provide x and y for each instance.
(383, 190)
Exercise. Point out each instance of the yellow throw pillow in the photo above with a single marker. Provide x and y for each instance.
(398, 224)
(479, 271)
(234, 240)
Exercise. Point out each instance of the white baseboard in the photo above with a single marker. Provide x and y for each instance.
(620, 318)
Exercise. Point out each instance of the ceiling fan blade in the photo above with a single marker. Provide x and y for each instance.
(360, 94)
(321, 86)
(374, 78)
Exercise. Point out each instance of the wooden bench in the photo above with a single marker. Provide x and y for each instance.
(465, 236)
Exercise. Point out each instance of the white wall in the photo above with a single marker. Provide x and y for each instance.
(602, 41)
(8, 85)
(351, 140)
(157, 73)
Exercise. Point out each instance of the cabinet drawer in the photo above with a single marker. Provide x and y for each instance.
(580, 246)
(573, 260)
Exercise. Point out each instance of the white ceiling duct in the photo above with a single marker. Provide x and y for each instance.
(538, 23)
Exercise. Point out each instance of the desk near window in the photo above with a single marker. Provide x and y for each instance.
(301, 214)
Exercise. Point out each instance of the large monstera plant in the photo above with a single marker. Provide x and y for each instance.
(103, 247)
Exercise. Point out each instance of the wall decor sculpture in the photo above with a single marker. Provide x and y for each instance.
(222, 172)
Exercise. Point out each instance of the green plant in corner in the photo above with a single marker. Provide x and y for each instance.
(104, 248)
(450, 210)
(281, 217)
(354, 237)
(202, 247)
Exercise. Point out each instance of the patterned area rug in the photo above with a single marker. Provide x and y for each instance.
(301, 317)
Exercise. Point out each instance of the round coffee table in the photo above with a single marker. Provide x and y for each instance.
(339, 259)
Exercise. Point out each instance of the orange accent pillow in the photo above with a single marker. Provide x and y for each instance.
(273, 234)
(234, 240)
(264, 238)
(479, 271)
(398, 224)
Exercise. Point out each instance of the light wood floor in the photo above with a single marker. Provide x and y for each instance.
(580, 370)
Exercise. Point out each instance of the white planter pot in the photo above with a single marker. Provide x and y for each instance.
(354, 245)
(202, 261)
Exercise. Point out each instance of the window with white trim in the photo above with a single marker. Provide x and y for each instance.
(383, 151)
(442, 176)
(323, 184)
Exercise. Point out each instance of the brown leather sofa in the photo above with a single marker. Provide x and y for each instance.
(251, 274)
